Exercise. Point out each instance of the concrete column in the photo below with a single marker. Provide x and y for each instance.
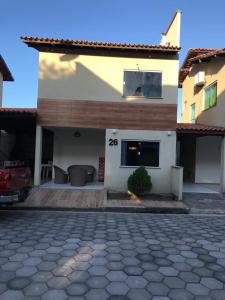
(38, 156)
(222, 170)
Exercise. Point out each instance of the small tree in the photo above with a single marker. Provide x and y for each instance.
(139, 182)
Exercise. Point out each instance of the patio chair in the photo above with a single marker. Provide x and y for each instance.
(89, 171)
(77, 176)
(60, 175)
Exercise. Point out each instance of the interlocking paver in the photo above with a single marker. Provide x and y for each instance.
(79, 276)
(96, 294)
(158, 288)
(58, 282)
(76, 289)
(84, 256)
(18, 283)
(136, 282)
(15, 295)
(117, 288)
(97, 282)
(197, 289)
(26, 271)
(42, 276)
(116, 276)
(133, 270)
(98, 270)
(211, 283)
(138, 294)
(55, 295)
(180, 294)
(35, 289)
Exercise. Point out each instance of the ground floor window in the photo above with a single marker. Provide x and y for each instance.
(140, 153)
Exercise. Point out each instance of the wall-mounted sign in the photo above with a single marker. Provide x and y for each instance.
(113, 142)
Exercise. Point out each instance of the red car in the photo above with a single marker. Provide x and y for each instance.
(15, 183)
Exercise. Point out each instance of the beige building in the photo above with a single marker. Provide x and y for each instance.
(203, 105)
(5, 75)
(110, 102)
(202, 80)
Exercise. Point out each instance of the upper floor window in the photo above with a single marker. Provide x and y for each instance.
(211, 95)
(142, 84)
(140, 153)
(193, 113)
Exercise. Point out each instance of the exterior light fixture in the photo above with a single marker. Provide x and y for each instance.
(77, 134)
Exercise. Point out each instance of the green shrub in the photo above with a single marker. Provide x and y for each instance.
(139, 182)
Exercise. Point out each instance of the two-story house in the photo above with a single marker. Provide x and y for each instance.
(110, 103)
(203, 105)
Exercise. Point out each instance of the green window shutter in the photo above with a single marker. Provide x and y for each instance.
(207, 99)
(210, 96)
(193, 113)
(214, 95)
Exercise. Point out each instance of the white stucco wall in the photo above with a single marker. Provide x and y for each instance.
(85, 150)
(208, 157)
(116, 176)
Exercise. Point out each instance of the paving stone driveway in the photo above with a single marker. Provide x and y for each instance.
(97, 256)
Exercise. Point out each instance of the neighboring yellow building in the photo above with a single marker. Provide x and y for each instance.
(203, 87)
(202, 148)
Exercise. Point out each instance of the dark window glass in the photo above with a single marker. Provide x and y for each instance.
(135, 153)
(145, 84)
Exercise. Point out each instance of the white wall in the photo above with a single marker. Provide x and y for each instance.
(116, 176)
(84, 150)
(208, 157)
(177, 182)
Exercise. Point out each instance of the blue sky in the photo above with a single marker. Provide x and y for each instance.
(131, 21)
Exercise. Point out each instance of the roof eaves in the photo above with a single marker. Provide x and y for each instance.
(36, 43)
(7, 76)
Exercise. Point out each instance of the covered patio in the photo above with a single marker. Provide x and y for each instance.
(71, 149)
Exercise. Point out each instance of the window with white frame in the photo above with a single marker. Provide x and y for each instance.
(146, 84)
(140, 153)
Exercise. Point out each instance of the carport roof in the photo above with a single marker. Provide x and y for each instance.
(200, 129)
(18, 111)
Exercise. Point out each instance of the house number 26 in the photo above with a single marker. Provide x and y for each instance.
(113, 142)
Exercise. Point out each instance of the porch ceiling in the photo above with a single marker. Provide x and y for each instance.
(199, 129)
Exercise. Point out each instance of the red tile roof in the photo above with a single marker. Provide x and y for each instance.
(18, 110)
(56, 44)
(199, 128)
(7, 76)
(186, 66)
(206, 56)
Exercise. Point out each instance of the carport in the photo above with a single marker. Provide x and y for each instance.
(17, 135)
(200, 151)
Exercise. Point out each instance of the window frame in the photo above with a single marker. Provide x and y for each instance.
(143, 71)
(204, 94)
(193, 121)
(139, 140)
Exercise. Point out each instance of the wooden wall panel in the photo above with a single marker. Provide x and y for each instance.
(100, 114)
